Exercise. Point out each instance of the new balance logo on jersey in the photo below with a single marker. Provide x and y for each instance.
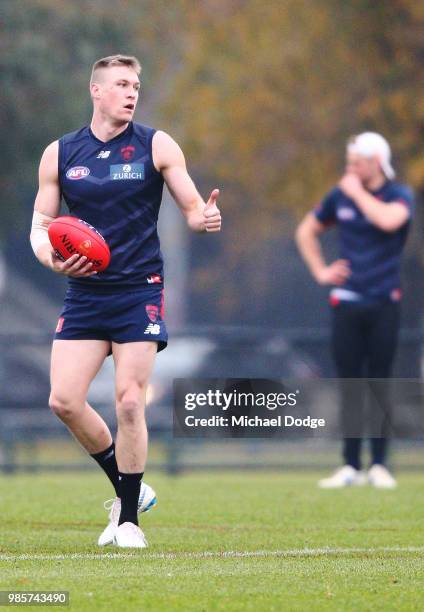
(152, 328)
(103, 155)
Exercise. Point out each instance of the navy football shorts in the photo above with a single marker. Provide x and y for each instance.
(130, 316)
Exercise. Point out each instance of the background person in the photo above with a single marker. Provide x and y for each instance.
(372, 213)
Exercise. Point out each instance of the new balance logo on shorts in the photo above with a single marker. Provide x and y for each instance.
(152, 328)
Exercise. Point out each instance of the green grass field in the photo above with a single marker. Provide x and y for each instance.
(219, 541)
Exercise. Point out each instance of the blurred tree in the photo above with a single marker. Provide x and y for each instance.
(387, 43)
(267, 98)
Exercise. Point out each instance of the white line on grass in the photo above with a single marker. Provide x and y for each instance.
(301, 552)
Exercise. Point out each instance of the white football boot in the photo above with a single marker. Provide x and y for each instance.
(129, 535)
(146, 501)
(345, 476)
(380, 477)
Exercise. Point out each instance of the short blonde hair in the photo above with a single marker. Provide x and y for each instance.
(116, 60)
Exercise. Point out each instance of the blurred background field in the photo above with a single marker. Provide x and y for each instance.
(180, 457)
(262, 98)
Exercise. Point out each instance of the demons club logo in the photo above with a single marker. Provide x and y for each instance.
(127, 153)
(152, 312)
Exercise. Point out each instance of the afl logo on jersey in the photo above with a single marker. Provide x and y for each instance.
(77, 172)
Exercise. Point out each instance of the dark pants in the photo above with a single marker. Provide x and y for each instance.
(364, 340)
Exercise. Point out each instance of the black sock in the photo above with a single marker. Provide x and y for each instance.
(378, 450)
(107, 461)
(351, 452)
(130, 492)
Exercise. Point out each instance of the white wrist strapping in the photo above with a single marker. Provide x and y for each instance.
(39, 235)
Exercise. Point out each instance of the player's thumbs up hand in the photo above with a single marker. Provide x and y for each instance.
(212, 214)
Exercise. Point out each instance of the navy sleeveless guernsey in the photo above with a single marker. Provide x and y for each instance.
(115, 187)
(374, 255)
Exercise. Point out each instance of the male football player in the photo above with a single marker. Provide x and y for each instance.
(120, 310)
(372, 213)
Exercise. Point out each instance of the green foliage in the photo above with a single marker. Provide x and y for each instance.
(391, 44)
(274, 89)
(269, 94)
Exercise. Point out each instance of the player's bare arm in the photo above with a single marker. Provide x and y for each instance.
(169, 160)
(307, 240)
(387, 218)
(47, 208)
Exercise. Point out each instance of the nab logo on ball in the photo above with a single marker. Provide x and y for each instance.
(85, 246)
(77, 173)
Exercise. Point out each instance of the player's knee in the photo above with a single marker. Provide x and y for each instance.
(62, 407)
(129, 408)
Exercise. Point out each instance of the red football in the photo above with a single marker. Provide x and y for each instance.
(69, 235)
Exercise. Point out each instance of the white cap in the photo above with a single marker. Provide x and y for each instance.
(370, 144)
